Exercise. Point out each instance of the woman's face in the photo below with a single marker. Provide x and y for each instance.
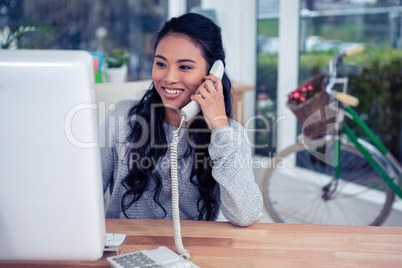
(179, 68)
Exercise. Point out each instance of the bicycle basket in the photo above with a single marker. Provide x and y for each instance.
(311, 114)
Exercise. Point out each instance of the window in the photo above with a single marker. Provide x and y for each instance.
(92, 25)
(267, 76)
(326, 28)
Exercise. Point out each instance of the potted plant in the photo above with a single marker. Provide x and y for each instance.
(116, 61)
(9, 38)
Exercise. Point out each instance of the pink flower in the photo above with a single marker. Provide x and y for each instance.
(302, 94)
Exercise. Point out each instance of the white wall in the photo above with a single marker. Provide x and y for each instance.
(237, 18)
(238, 21)
(176, 8)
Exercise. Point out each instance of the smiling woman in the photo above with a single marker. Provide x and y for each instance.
(210, 181)
(179, 69)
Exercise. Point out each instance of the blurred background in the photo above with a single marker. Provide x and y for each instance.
(253, 45)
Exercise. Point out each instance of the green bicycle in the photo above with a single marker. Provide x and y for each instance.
(336, 178)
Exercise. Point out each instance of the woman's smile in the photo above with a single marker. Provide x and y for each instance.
(172, 93)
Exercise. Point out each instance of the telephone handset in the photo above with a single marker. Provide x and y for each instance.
(193, 108)
(188, 112)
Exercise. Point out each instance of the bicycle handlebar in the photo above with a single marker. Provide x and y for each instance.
(343, 97)
(354, 51)
(348, 99)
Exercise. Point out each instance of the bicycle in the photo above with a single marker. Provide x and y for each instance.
(336, 178)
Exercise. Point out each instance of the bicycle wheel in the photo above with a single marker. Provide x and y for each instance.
(298, 187)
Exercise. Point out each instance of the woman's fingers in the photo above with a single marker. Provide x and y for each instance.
(215, 81)
(210, 97)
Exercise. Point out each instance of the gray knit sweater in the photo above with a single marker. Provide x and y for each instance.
(239, 197)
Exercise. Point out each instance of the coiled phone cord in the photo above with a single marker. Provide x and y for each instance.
(175, 195)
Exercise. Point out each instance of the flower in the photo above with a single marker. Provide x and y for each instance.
(296, 94)
(301, 94)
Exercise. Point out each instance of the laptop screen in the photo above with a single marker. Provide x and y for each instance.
(51, 201)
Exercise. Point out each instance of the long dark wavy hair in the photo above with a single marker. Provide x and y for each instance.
(206, 35)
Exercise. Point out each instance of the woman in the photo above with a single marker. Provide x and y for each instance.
(214, 167)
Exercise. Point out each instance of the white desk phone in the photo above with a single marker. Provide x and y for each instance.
(188, 113)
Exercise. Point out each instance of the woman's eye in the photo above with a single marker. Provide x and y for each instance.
(159, 64)
(185, 67)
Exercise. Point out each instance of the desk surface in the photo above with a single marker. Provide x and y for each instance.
(220, 244)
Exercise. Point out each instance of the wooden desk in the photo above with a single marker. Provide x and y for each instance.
(220, 244)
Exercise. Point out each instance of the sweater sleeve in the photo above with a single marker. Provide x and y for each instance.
(241, 199)
(107, 147)
(112, 133)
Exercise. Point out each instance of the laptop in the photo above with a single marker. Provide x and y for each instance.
(51, 197)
